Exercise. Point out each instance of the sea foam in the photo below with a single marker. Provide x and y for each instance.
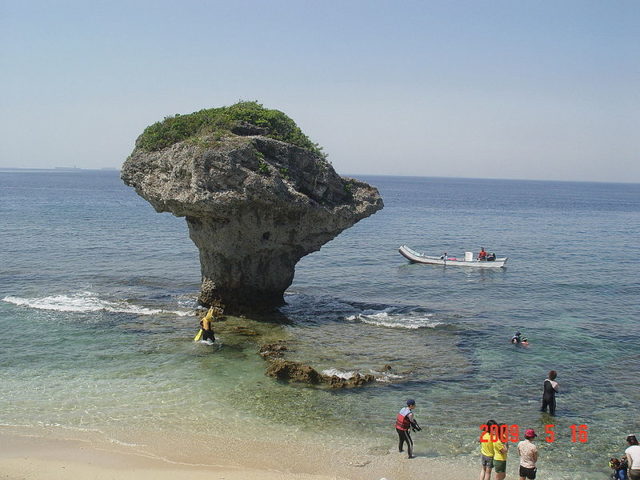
(331, 372)
(397, 320)
(83, 302)
(383, 377)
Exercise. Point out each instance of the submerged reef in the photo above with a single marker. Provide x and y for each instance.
(256, 193)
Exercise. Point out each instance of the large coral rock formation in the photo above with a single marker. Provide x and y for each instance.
(254, 206)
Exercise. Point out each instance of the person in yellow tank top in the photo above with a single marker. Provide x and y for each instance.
(205, 323)
(500, 458)
(486, 452)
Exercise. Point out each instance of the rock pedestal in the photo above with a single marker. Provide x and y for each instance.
(254, 206)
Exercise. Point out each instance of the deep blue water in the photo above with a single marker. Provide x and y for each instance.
(100, 284)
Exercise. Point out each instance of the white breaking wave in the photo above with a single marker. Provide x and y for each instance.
(391, 320)
(84, 302)
(387, 377)
(335, 372)
(383, 377)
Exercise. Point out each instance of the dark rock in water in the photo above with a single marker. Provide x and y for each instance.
(247, 332)
(357, 380)
(297, 372)
(293, 371)
(254, 205)
(273, 350)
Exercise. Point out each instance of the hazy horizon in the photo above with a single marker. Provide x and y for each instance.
(343, 174)
(499, 90)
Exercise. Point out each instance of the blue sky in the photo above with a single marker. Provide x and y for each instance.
(513, 89)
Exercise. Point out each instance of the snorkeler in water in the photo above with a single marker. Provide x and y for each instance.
(518, 339)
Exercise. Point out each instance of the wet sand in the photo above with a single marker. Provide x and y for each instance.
(26, 456)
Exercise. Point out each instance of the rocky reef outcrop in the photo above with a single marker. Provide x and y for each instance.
(291, 371)
(257, 196)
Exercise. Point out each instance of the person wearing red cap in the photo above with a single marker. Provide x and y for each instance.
(528, 455)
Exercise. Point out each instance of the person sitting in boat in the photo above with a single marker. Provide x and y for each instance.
(491, 257)
(482, 255)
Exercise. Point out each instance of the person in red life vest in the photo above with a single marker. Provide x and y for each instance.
(404, 422)
(482, 255)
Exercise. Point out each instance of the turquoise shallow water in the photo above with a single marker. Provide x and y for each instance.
(98, 296)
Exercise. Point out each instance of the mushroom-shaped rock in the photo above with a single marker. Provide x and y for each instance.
(256, 193)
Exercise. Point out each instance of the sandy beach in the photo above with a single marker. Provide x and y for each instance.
(28, 456)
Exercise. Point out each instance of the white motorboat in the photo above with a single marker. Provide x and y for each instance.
(467, 261)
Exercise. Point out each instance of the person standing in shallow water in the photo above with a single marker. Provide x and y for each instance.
(487, 452)
(550, 388)
(207, 329)
(528, 455)
(500, 451)
(633, 456)
(405, 421)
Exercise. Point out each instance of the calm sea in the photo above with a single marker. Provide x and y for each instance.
(97, 295)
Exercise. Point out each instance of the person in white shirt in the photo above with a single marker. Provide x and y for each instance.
(633, 456)
(528, 455)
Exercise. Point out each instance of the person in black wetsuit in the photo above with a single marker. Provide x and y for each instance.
(550, 388)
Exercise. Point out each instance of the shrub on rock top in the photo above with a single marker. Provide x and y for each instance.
(242, 118)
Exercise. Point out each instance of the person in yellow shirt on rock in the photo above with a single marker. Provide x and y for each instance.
(487, 452)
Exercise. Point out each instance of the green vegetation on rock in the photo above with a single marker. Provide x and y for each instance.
(222, 121)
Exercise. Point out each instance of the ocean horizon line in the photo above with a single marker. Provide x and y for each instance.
(61, 169)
